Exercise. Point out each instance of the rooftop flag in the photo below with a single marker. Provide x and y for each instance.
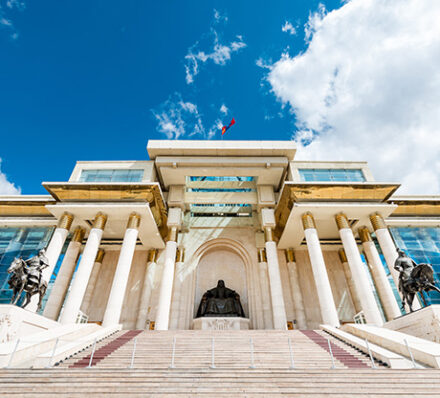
(225, 128)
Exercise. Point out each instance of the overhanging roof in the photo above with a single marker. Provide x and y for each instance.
(337, 197)
(72, 192)
(221, 148)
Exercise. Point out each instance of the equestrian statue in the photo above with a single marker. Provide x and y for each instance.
(413, 278)
(26, 276)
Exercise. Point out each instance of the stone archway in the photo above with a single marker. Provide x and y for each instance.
(225, 259)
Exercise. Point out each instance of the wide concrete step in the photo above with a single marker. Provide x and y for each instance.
(190, 382)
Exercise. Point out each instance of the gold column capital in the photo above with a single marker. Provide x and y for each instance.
(180, 255)
(342, 221)
(78, 234)
(65, 221)
(172, 234)
(308, 221)
(100, 221)
(100, 256)
(134, 220)
(377, 221)
(262, 256)
(342, 255)
(364, 234)
(290, 256)
(152, 256)
(268, 234)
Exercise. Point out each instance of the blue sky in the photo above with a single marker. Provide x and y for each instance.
(83, 78)
(95, 80)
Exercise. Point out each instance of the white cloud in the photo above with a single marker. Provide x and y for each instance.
(219, 53)
(5, 22)
(367, 88)
(224, 109)
(7, 187)
(288, 28)
(177, 118)
(218, 17)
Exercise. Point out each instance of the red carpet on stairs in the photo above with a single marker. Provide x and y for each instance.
(106, 350)
(338, 352)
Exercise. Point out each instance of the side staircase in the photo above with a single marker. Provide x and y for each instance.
(309, 363)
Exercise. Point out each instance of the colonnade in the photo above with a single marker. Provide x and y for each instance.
(273, 307)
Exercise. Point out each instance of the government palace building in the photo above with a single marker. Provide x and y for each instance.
(221, 254)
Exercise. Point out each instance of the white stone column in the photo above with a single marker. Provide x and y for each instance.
(265, 289)
(166, 284)
(53, 251)
(389, 250)
(386, 244)
(113, 310)
(349, 279)
(298, 302)
(82, 275)
(62, 282)
(358, 272)
(92, 281)
(381, 281)
(276, 290)
(327, 305)
(177, 299)
(147, 289)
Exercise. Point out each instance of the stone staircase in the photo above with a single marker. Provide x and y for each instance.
(232, 349)
(268, 372)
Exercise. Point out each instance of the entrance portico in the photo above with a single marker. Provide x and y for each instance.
(204, 211)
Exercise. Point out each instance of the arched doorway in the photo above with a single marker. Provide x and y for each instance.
(221, 263)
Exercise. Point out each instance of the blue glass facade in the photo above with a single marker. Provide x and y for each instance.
(112, 175)
(19, 242)
(337, 175)
(423, 246)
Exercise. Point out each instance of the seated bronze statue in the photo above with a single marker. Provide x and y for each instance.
(220, 301)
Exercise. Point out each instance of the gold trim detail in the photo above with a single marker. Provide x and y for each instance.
(152, 256)
(308, 221)
(134, 221)
(65, 221)
(377, 221)
(100, 221)
(172, 234)
(342, 221)
(180, 255)
(262, 256)
(113, 192)
(364, 234)
(342, 256)
(78, 234)
(268, 235)
(290, 256)
(100, 256)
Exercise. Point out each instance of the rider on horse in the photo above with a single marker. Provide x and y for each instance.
(404, 265)
(35, 266)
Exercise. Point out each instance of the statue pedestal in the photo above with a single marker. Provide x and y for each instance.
(423, 323)
(221, 323)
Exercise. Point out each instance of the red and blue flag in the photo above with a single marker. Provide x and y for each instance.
(226, 128)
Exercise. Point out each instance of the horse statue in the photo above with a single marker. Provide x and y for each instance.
(413, 278)
(26, 276)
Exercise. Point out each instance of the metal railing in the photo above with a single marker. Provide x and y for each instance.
(221, 351)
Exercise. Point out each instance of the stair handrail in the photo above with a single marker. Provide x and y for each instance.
(331, 354)
(133, 353)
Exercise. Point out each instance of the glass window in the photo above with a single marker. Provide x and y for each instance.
(112, 175)
(423, 246)
(19, 242)
(338, 175)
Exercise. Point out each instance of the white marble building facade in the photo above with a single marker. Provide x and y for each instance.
(303, 243)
